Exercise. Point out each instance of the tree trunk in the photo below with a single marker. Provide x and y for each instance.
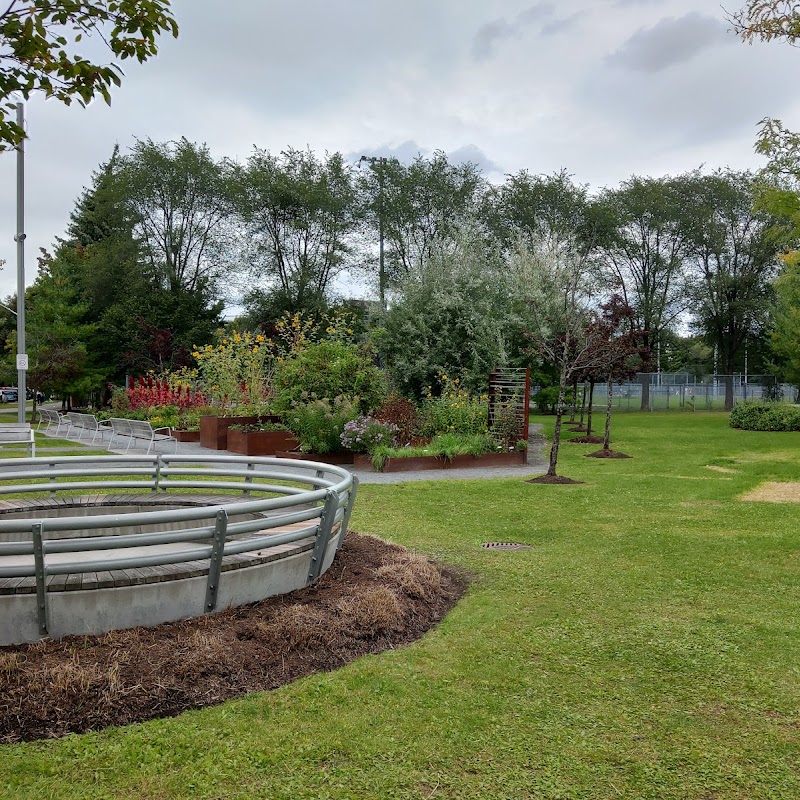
(583, 405)
(729, 392)
(571, 420)
(607, 438)
(589, 415)
(562, 388)
(645, 381)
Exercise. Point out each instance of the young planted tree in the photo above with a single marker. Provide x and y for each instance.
(623, 353)
(559, 282)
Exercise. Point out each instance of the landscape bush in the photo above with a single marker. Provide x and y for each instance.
(329, 369)
(454, 411)
(319, 422)
(763, 416)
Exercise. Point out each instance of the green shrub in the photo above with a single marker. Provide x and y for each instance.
(454, 411)
(329, 369)
(547, 399)
(758, 415)
(318, 423)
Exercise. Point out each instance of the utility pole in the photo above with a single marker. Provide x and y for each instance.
(22, 358)
(380, 171)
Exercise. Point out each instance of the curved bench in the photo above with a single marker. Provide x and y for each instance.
(165, 549)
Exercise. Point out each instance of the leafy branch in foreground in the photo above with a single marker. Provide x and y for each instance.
(38, 39)
(767, 20)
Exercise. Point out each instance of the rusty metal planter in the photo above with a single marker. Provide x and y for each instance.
(260, 443)
(510, 459)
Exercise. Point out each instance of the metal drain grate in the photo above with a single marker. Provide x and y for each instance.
(505, 546)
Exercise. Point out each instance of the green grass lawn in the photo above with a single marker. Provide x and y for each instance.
(648, 646)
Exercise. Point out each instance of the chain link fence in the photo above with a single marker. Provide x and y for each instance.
(670, 391)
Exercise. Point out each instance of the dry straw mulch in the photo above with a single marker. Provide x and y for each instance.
(375, 596)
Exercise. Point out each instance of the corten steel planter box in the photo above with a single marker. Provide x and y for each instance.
(186, 436)
(511, 459)
(214, 430)
(337, 459)
(260, 443)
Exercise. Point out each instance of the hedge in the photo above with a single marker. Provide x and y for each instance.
(761, 416)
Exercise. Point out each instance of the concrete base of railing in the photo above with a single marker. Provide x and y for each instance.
(164, 549)
(103, 608)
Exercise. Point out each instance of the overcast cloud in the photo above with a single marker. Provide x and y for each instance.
(603, 88)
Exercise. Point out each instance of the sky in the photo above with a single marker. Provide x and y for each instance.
(606, 89)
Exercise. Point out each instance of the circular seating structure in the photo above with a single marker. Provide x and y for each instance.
(92, 544)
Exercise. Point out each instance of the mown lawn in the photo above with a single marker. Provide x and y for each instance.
(648, 646)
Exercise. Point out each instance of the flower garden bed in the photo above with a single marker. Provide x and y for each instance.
(412, 463)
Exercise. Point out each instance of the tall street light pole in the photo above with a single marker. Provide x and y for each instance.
(372, 161)
(22, 358)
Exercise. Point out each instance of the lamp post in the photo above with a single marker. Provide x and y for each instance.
(22, 358)
(372, 161)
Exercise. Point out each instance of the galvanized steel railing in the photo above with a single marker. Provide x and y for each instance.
(327, 494)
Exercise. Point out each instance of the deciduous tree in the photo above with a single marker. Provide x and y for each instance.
(734, 264)
(559, 284)
(299, 213)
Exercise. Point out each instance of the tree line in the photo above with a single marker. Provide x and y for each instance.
(166, 234)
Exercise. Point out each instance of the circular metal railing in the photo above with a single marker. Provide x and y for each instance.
(223, 512)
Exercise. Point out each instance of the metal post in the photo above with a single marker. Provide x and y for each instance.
(381, 266)
(249, 479)
(326, 520)
(215, 564)
(20, 240)
(347, 512)
(157, 475)
(41, 578)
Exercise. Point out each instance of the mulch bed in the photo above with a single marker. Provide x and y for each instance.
(607, 454)
(375, 596)
(552, 479)
(587, 440)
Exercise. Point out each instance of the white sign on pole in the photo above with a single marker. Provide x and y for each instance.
(22, 361)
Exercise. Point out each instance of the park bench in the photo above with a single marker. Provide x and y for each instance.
(16, 433)
(87, 423)
(51, 417)
(139, 429)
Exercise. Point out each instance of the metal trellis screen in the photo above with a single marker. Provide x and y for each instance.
(510, 387)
